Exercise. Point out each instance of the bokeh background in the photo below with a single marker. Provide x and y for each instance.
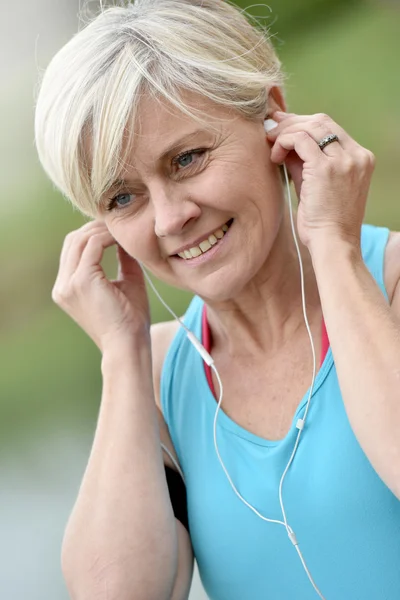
(342, 58)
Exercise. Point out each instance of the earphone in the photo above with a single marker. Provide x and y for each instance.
(268, 125)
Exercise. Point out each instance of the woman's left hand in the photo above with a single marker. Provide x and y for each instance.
(332, 184)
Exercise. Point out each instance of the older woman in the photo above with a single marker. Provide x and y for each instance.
(151, 121)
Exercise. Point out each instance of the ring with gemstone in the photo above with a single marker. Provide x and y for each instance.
(328, 140)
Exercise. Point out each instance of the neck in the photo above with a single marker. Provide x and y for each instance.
(268, 311)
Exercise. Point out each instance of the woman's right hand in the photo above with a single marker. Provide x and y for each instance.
(106, 310)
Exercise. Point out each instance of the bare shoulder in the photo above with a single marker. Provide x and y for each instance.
(162, 335)
(392, 263)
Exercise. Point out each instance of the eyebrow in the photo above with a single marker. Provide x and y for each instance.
(175, 146)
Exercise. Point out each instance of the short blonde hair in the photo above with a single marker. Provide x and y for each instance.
(90, 92)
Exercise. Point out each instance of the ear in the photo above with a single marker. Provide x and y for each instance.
(276, 101)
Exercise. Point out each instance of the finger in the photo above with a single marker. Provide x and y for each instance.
(319, 126)
(317, 132)
(302, 143)
(74, 244)
(321, 118)
(289, 120)
(279, 116)
(94, 249)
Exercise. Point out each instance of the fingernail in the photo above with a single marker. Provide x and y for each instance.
(283, 115)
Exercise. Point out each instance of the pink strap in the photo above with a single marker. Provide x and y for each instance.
(325, 342)
(206, 341)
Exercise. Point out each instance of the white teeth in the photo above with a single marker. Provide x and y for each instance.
(205, 245)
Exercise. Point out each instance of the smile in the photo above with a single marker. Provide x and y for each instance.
(206, 244)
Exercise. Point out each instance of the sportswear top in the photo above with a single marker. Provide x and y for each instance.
(346, 520)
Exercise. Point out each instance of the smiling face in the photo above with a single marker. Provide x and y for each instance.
(209, 193)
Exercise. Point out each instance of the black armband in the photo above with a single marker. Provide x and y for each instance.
(177, 494)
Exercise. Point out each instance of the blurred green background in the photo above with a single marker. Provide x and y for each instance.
(341, 58)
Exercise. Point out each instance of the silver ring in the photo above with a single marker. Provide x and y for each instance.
(328, 140)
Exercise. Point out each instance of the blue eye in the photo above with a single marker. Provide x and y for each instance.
(120, 201)
(186, 159)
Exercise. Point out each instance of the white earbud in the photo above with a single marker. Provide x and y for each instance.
(269, 124)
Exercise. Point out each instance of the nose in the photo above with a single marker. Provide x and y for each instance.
(173, 211)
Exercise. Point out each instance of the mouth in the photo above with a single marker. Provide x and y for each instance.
(207, 244)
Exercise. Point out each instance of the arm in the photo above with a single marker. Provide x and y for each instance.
(121, 541)
(364, 332)
(142, 537)
(332, 186)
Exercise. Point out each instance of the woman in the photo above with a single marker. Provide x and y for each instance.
(151, 121)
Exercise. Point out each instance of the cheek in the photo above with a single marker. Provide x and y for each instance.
(225, 184)
(135, 237)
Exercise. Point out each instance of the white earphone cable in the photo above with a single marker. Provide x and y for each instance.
(300, 423)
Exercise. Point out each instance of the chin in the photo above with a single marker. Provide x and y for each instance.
(221, 288)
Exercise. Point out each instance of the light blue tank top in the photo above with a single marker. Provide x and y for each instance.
(346, 520)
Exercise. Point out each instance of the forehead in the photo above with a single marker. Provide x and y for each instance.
(159, 123)
(158, 117)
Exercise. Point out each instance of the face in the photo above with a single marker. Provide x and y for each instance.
(209, 193)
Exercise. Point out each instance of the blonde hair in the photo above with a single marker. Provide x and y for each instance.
(90, 92)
